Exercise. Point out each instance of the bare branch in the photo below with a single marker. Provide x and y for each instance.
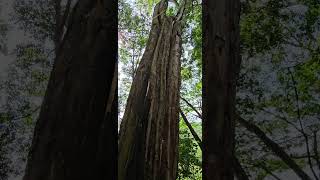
(261, 165)
(193, 132)
(276, 149)
(192, 107)
(241, 174)
(301, 125)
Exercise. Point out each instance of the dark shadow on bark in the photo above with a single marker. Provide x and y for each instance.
(76, 133)
(220, 67)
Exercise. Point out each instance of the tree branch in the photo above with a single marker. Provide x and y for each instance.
(241, 174)
(192, 107)
(301, 126)
(262, 166)
(256, 130)
(27, 114)
(193, 132)
(276, 149)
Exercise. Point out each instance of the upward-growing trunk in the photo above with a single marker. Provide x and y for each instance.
(75, 136)
(221, 62)
(148, 144)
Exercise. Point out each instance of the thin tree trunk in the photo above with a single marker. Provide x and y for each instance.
(276, 149)
(221, 63)
(76, 133)
(193, 132)
(192, 107)
(148, 144)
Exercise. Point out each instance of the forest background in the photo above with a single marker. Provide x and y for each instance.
(278, 87)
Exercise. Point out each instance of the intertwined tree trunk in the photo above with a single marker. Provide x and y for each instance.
(76, 136)
(221, 62)
(148, 144)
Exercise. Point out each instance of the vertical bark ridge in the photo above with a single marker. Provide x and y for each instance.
(155, 94)
(73, 121)
(221, 62)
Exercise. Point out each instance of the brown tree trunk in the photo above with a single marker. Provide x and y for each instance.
(221, 62)
(148, 144)
(76, 133)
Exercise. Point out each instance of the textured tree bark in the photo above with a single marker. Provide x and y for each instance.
(221, 63)
(76, 133)
(148, 144)
(276, 149)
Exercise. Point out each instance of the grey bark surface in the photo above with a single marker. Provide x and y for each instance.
(221, 63)
(148, 142)
(76, 133)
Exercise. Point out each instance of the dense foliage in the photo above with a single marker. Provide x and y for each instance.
(23, 87)
(277, 89)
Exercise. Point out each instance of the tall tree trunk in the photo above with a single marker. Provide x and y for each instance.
(221, 63)
(76, 133)
(148, 144)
